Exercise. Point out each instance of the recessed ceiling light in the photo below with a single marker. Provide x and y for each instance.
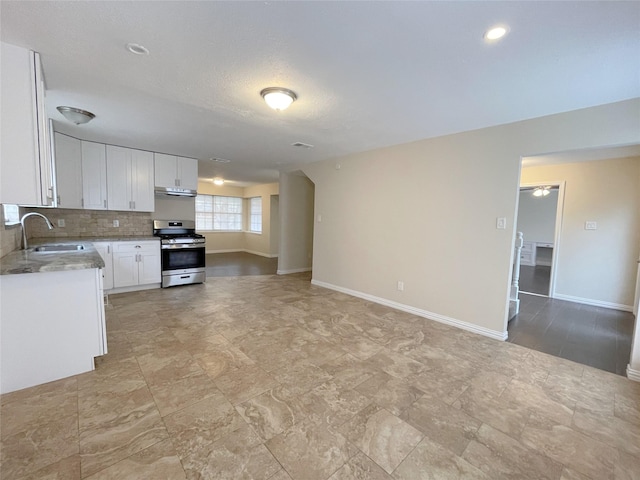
(496, 32)
(137, 49)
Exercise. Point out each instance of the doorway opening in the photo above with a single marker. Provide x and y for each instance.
(539, 221)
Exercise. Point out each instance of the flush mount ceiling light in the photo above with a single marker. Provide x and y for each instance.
(137, 49)
(278, 98)
(219, 160)
(541, 191)
(76, 115)
(496, 32)
(218, 181)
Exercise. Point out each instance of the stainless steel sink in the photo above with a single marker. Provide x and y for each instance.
(58, 248)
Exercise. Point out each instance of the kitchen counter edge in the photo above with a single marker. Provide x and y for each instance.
(27, 261)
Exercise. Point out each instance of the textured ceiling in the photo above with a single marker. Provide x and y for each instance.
(367, 74)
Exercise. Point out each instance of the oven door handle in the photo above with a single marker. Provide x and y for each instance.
(178, 246)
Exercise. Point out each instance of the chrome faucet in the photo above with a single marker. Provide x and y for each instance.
(24, 233)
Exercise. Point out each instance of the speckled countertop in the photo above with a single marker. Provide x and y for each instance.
(28, 261)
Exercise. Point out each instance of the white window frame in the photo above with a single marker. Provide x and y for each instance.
(255, 215)
(219, 213)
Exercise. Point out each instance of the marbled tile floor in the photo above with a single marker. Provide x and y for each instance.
(268, 377)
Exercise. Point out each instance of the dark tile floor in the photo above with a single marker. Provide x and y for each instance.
(594, 336)
(535, 279)
(237, 264)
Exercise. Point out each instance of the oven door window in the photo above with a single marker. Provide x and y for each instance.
(181, 258)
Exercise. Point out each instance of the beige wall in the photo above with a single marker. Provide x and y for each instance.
(174, 208)
(261, 243)
(296, 223)
(243, 241)
(597, 265)
(425, 213)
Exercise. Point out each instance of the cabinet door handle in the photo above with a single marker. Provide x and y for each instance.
(134, 204)
(59, 202)
(108, 249)
(105, 203)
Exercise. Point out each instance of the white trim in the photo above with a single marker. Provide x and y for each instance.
(235, 250)
(595, 303)
(534, 294)
(293, 270)
(268, 255)
(495, 334)
(633, 374)
(133, 288)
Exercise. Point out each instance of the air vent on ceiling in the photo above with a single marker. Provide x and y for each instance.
(220, 160)
(302, 145)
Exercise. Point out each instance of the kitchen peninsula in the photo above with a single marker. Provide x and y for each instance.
(52, 310)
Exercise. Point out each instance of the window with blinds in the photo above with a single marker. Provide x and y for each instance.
(217, 213)
(255, 214)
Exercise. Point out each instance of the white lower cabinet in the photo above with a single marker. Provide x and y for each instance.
(105, 250)
(136, 263)
(42, 338)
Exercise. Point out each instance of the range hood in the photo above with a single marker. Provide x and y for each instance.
(175, 192)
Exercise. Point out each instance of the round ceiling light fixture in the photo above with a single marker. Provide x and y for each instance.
(137, 49)
(218, 181)
(76, 115)
(496, 33)
(278, 98)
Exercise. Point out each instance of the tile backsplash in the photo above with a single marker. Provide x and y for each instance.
(88, 223)
(10, 236)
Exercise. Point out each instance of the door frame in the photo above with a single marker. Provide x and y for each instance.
(558, 227)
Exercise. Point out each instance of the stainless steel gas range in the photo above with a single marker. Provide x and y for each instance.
(183, 252)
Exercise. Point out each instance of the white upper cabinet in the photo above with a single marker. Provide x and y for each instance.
(27, 176)
(68, 160)
(175, 172)
(94, 175)
(130, 177)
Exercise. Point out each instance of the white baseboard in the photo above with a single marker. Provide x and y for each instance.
(633, 374)
(133, 288)
(595, 303)
(495, 334)
(268, 255)
(293, 270)
(235, 250)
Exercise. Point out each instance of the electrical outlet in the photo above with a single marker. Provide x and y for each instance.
(501, 223)
(590, 225)
(116, 223)
(61, 223)
(400, 286)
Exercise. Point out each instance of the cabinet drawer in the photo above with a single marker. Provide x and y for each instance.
(526, 258)
(137, 247)
(527, 247)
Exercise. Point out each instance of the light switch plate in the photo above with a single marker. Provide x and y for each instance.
(590, 225)
(501, 223)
